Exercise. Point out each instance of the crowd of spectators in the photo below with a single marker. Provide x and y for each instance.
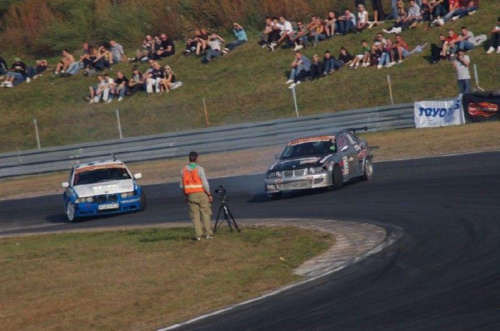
(278, 31)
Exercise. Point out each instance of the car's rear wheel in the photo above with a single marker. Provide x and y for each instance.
(368, 170)
(70, 212)
(338, 178)
(144, 201)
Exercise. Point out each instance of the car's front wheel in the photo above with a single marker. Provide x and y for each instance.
(144, 201)
(70, 212)
(338, 178)
(274, 196)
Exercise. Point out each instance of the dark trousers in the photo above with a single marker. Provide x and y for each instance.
(316, 70)
(435, 52)
(346, 26)
(495, 40)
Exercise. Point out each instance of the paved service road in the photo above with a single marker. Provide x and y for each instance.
(444, 273)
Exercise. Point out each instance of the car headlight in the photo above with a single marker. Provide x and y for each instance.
(312, 170)
(82, 200)
(127, 194)
(271, 174)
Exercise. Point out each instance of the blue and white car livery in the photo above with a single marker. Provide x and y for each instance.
(102, 188)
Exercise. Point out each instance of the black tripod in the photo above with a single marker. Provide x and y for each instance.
(223, 207)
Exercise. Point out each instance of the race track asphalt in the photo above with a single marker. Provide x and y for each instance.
(443, 274)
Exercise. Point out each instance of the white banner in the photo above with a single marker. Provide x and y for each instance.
(439, 113)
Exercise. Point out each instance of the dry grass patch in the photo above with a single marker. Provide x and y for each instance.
(142, 279)
(393, 145)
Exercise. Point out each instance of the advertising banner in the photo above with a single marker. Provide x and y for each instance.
(430, 114)
(481, 106)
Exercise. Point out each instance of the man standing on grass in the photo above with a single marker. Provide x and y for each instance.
(197, 192)
(461, 64)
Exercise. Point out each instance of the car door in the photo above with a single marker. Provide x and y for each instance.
(349, 156)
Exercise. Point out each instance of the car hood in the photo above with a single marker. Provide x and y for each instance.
(298, 163)
(113, 187)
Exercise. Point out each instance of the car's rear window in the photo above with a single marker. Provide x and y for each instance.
(100, 175)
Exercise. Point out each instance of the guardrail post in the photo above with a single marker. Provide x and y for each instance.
(295, 101)
(390, 89)
(205, 110)
(119, 123)
(37, 135)
(477, 78)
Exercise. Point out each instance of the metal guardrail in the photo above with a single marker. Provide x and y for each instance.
(217, 139)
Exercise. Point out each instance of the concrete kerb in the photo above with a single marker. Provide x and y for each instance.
(355, 242)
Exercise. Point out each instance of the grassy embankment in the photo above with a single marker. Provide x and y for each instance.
(393, 145)
(142, 279)
(245, 86)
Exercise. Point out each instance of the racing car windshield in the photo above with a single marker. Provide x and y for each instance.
(100, 175)
(307, 149)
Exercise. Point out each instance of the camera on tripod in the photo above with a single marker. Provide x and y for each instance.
(224, 210)
(221, 191)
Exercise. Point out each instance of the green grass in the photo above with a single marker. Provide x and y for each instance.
(142, 279)
(246, 86)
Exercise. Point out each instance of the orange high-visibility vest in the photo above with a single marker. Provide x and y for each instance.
(191, 181)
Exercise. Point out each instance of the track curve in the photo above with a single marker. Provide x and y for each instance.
(443, 274)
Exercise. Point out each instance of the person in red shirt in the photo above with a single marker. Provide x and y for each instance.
(449, 43)
(400, 48)
(454, 5)
(467, 7)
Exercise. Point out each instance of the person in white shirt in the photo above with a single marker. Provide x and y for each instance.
(362, 18)
(461, 65)
(286, 30)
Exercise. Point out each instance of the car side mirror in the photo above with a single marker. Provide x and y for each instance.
(277, 156)
(138, 176)
(344, 148)
(65, 184)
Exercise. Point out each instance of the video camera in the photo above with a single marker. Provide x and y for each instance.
(221, 191)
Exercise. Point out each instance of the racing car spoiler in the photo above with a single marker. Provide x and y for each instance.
(363, 128)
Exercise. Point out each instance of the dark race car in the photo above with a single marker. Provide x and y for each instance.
(320, 161)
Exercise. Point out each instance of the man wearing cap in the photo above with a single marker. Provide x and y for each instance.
(16, 75)
(197, 191)
(241, 38)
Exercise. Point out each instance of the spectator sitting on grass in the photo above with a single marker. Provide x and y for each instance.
(316, 67)
(170, 82)
(66, 60)
(3, 67)
(136, 82)
(467, 7)
(154, 78)
(467, 41)
(363, 57)
(495, 39)
(215, 42)
(400, 19)
(76, 66)
(202, 42)
(400, 49)
(437, 50)
(345, 56)
(318, 33)
(120, 86)
(16, 75)
(166, 47)
(453, 7)
(146, 51)
(299, 36)
(347, 22)
(330, 24)
(241, 37)
(438, 9)
(117, 51)
(271, 33)
(414, 16)
(191, 43)
(301, 67)
(449, 44)
(362, 18)
(40, 67)
(330, 63)
(100, 90)
(285, 34)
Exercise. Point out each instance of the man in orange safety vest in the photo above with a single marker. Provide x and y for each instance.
(197, 192)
